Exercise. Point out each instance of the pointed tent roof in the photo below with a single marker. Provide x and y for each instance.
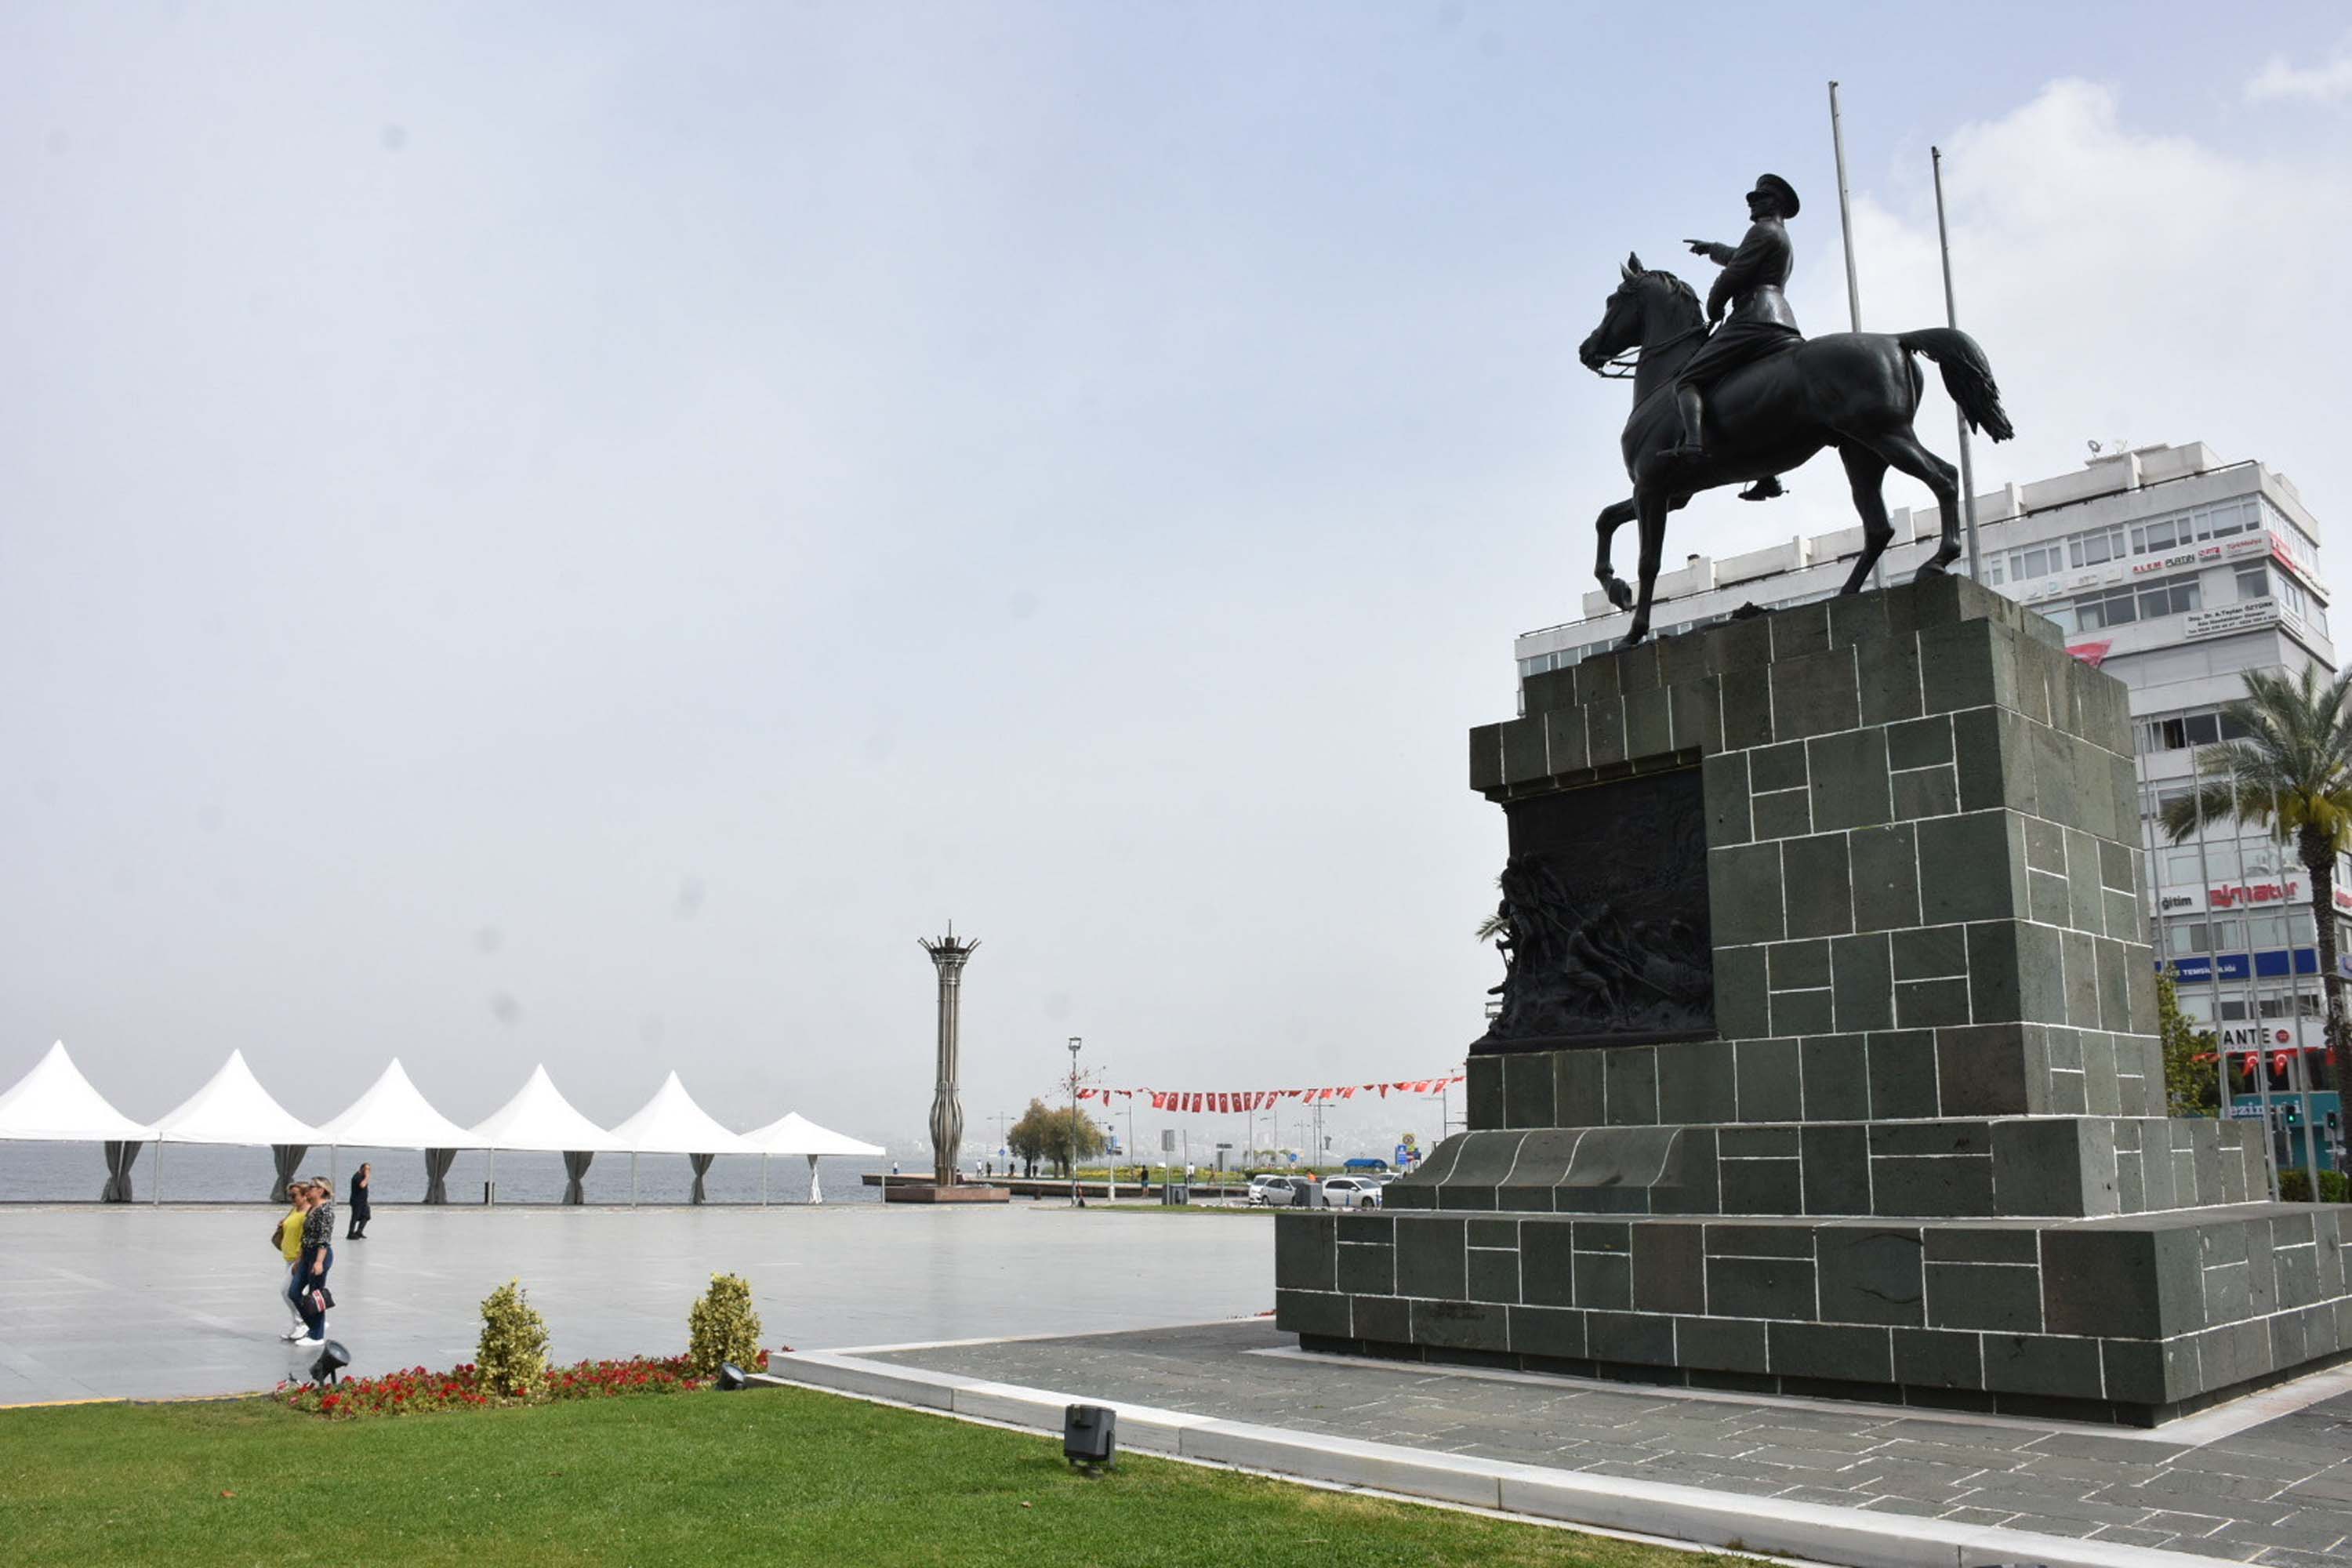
(393, 1114)
(233, 1108)
(538, 1116)
(53, 1103)
(671, 1123)
(796, 1134)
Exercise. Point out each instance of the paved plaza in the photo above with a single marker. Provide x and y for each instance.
(154, 1303)
(2265, 1479)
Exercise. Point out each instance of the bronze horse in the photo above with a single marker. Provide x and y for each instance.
(1857, 392)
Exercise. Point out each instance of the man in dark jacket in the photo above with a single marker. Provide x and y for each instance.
(1761, 325)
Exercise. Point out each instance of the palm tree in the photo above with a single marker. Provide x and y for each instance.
(2290, 771)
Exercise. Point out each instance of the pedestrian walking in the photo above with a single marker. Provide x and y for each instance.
(318, 1257)
(288, 1240)
(361, 1206)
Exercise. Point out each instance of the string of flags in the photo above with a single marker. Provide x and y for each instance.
(1231, 1100)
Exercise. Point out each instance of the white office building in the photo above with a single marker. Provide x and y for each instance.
(2174, 571)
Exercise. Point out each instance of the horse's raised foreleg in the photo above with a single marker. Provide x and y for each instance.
(1651, 509)
(1866, 470)
(1902, 450)
(1606, 525)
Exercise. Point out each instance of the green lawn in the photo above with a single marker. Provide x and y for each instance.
(776, 1476)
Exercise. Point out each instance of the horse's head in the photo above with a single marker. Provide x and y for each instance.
(1644, 307)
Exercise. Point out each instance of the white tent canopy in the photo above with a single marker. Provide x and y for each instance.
(233, 1108)
(539, 1118)
(796, 1134)
(671, 1123)
(53, 1103)
(393, 1114)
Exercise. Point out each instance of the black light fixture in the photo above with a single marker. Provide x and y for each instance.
(1090, 1436)
(730, 1377)
(332, 1360)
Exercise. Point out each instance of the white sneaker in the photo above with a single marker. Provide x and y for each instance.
(296, 1333)
(319, 1340)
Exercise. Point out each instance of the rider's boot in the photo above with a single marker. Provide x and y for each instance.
(1764, 488)
(1689, 400)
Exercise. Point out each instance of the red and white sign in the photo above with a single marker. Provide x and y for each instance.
(2252, 893)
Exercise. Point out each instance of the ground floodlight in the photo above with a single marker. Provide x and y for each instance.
(332, 1360)
(1090, 1435)
(731, 1376)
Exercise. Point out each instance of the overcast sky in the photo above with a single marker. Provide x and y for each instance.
(577, 534)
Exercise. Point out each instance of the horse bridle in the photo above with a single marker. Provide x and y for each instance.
(1626, 366)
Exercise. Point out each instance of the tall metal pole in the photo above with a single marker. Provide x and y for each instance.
(1952, 319)
(949, 955)
(1077, 1199)
(2213, 950)
(1845, 215)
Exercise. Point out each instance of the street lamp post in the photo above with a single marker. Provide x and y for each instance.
(1077, 1199)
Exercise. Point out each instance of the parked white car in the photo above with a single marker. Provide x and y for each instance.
(1352, 1192)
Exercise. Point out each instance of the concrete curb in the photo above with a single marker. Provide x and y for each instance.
(1737, 1522)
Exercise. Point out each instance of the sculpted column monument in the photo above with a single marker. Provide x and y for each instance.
(949, 955)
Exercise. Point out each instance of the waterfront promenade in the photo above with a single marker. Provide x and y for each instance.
(139, 1303)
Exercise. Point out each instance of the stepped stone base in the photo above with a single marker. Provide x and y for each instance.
(2131, 1319)
(1873, 1104)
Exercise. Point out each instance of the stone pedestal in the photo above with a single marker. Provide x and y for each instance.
(932, 1192)
(1920, 1152)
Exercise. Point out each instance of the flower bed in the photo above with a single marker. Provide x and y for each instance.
(461, 1388)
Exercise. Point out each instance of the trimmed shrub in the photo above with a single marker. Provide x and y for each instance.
(2295, 1187)
(723, 1327)
(512, 1356)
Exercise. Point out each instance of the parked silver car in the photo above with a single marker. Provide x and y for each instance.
(1282, 1192)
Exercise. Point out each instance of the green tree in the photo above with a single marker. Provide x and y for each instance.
(2291, 773)
(2191, 1088)
(1045, 1134)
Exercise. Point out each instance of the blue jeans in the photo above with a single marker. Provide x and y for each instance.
(312, 1318)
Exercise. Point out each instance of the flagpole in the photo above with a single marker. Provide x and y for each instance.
(1952, 319)
(1845, 215)
(1845, 238)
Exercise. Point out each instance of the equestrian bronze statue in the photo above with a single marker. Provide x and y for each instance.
(1753, 398)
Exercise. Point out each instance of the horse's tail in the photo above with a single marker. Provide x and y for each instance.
(1968, 376)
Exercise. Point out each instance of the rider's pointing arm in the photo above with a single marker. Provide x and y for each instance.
(1755, 261)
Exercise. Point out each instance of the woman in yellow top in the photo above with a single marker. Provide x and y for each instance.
(288, 1239)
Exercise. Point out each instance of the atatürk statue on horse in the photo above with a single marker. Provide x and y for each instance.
(1753, 398)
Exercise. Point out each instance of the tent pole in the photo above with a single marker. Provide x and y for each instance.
(491, 1196)
(763, 1181)
(159, 1174)
(633, 1178)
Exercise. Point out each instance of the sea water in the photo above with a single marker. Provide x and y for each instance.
(195, 1173)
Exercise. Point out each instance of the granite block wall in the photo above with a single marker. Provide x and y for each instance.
(2122, 1319)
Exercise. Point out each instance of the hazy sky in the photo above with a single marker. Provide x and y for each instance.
(576, 535)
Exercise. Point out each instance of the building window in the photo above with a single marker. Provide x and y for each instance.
(2173, 596)
(2162, 534)
(2040, 561)
(2253, 581)
(2096, 547)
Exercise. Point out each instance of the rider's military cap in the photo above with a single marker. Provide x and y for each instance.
(1774, 185)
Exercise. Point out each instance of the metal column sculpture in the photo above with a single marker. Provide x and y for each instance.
(949, 955)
